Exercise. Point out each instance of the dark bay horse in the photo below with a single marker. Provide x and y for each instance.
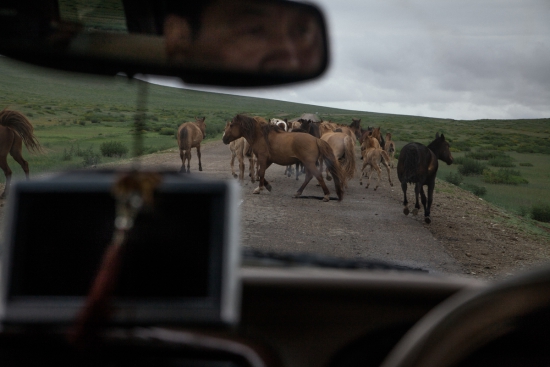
(15, 129)
(272, 145)
(417, 164)
(190, 135)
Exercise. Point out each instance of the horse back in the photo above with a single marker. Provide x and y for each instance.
(416, 164)
(189, 135)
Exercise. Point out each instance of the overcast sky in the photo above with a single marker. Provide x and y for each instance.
(461, 59)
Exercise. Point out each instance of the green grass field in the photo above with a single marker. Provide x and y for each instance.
(75, 112)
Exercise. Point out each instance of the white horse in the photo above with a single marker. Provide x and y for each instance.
(281, 123)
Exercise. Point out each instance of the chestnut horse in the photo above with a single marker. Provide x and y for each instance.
(241, 149)
(343, 147)
(15, 129)
(190, 135)
(417, 164)
(373, 155)
(389, 147)
(272, 145)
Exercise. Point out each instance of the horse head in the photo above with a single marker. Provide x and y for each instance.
(202, 125)
(233, 129)
(441, 148)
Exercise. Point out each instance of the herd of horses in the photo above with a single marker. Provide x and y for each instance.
(309, 145)
(304, 144)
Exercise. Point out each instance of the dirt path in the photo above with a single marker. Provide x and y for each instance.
(466, 236)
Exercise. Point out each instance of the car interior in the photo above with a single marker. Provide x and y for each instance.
(203, 301)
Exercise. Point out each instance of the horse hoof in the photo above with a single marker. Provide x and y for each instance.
(326, 198)
(406, 211)
(235, 176)
(256, 190)
(268, 187)
(297, 195)
(375, 188)
(415, 211)
(360, 183)
(428, 220)
(391, 184)
(329, 178)
(200, 168)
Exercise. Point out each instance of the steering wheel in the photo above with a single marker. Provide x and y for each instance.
(470, 320)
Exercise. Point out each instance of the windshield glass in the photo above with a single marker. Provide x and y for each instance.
(466, 82)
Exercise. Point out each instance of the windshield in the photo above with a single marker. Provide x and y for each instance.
(466, 82)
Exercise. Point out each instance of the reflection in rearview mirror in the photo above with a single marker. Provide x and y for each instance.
(245, 35)
(224, 42)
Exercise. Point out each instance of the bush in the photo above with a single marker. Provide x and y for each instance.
(462, 146)
(455, 178)
(471, 167)
(476, 190)
(526, 164)
(504, 176)
(167, 131)
(82, 122)
(113, 149)
(67, 154)
(483, 155)
(541, 213)
(90, 158)
(501, 161)
(458, 160)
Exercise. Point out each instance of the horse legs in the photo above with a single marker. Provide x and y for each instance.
(188, 158)
(182, 157)
(405, 202)
(251, 169)
(18, 157)
(198, 155)
(388, 169)
(263, 181)
(308, 178)
(233, 155)
(363, 172)
(7, 172)
(379, 171)
(241, 168)
(417, 189)
(431, 186)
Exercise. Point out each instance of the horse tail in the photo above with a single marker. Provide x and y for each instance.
(333, 167)
(348, 163)
(410, 164)
(184, 139)
(17, 122)
(392, 147)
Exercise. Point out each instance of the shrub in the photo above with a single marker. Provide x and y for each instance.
(90, 158)
(541, 212)
(504, 176)
(523, 211)
(167, 131)
(471, 167)
(501, 161)
(476, 190)
(113, 149)
(526, 164)
(483, 155)
(82, 122)
(459, 160)
(462, 146)
(67, 155)
(454, 177)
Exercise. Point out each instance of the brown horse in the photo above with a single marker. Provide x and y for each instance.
(15, 129)
(417, 164)
(389, 147)
(373, 155)
(343, 147)
(241, 149)
(190, 135)
(272, 145)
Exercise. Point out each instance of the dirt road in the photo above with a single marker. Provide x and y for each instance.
(366, 224)
(467, 235)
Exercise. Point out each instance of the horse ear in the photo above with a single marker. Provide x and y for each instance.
(437, 135)
(442, 136)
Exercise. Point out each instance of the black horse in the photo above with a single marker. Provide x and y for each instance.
(418, 164)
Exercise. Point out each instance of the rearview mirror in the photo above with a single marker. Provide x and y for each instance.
(219, 42)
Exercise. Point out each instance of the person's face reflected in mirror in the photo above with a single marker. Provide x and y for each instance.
(246, 35)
